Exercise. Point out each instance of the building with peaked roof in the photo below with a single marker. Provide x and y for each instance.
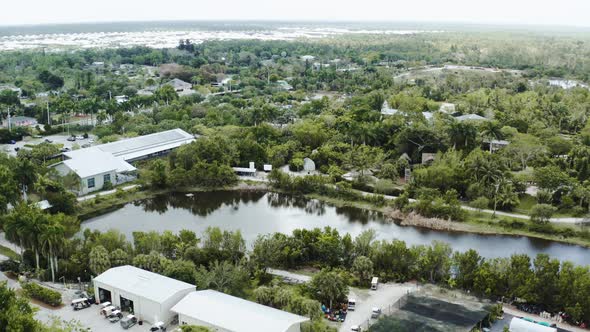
(470, 117)
(181, 87)
(147, 295)
(386, 110)
(111, 162)
(222, 312)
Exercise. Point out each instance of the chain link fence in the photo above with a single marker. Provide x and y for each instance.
(387, 311)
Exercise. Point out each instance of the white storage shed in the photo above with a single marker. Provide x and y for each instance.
(147, 295)
(226, 313)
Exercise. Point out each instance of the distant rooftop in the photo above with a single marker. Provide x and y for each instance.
(117, 155)
(232, 313)
(131, 148)
(471, 117)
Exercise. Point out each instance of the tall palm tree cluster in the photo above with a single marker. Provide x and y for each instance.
(40, 232)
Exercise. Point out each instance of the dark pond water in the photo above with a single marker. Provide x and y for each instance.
(255, 213)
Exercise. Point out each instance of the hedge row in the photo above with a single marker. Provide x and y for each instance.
(42, 294)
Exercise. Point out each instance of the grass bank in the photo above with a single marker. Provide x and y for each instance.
(476, 222)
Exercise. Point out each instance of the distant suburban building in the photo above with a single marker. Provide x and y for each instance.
(284, 85)
(470, 117)
(21, 121)
(111, 162)
(447, 108)
(386, 110)
(149, 296)
(222, 312)
(307, 57)
(249, 171)
(121, 99)
(181, 87)
(428, 158)
(308, 165)
(12, 88)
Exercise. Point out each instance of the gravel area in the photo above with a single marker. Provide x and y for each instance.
(385, 295)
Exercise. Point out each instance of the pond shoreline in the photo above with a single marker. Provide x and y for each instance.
(113, 202)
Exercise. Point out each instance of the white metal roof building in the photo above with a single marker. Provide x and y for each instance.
(150, 296)
(228, 313)
(103, 163)
(470, 117)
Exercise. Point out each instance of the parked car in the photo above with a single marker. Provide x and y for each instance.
(159, 326)
(115, 316)
(374, 283)
(81, 305)
(91, 141)
(128, 321)
(37, 136)
(107, 311)
(351, 304)
(16, 149)
(12, 141)
(79, 137)
(356, 328)
(72, 138)
(64, 149)
(47, 140)
(86, 145)
(375, 312)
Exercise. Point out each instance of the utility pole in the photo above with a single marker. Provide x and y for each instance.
(48, 116)
(9, 125)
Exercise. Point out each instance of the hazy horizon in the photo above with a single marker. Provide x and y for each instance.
(544, 13)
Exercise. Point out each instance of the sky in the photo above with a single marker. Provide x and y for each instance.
(533, 12)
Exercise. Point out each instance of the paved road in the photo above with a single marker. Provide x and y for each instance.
(290, 275)
(366, 300)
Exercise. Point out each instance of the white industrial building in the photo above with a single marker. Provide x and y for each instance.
(111, 162)
(226, 313)
(147, 295)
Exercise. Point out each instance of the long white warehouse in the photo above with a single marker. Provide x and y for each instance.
(147, 295)
(98, 165)
(226, 313)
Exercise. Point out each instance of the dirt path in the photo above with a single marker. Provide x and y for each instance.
(290, 275)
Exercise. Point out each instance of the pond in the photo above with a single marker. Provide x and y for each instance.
(255, 213)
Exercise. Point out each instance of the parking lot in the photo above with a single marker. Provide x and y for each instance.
(55, 139)
(385, 295)
(89, 318)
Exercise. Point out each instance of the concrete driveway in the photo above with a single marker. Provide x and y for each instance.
(55, 139)
(366, 300)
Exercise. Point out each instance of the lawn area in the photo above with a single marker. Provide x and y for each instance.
(526, 204)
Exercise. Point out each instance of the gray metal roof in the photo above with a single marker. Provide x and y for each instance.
(132, 148)
(142, 283)
(232, 313)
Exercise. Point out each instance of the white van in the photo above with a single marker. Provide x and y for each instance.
(351, 304)
(107, 311)
(374, 283)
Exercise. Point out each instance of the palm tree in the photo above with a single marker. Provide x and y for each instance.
(51, 238)
(490, 130)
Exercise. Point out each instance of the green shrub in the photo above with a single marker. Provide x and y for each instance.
(42, 294)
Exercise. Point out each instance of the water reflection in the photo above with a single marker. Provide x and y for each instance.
(255, 213)
(199, 204)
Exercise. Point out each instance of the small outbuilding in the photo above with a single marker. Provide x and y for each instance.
(222, 312)
(308, 165)
(147, 295)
